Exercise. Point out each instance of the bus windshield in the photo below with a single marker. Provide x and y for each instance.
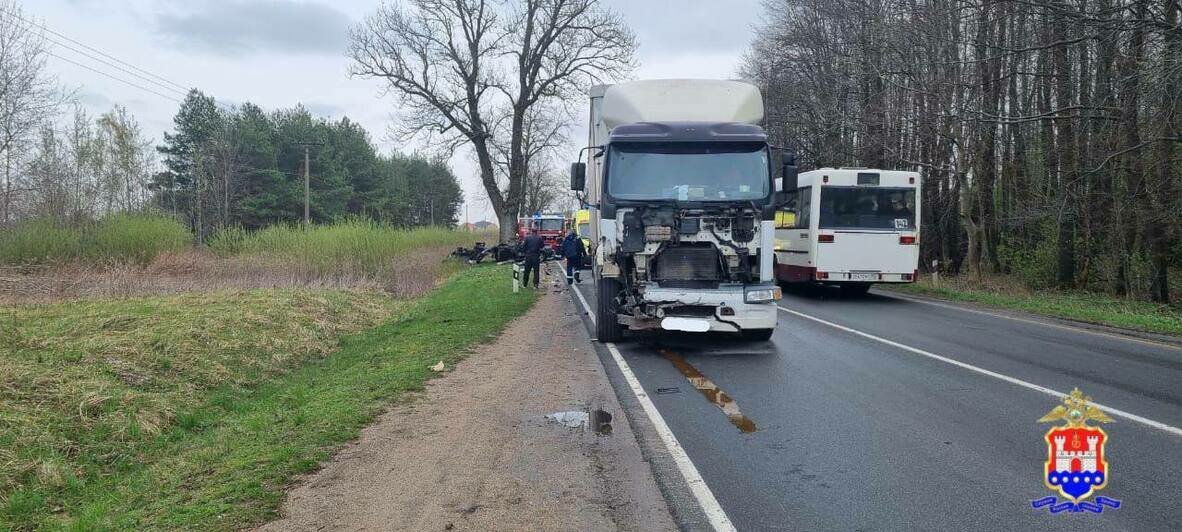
(688, 171)
(867, 208)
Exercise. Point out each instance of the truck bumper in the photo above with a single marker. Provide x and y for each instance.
(724, 309)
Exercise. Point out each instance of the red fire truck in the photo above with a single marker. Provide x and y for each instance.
(551, 227)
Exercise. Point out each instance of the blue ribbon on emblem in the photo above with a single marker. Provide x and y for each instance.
(1055, 507)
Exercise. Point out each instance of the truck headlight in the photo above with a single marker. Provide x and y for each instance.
(763, 295)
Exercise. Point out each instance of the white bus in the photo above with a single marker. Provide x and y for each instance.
(850, 227)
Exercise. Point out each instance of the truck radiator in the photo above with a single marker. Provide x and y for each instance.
(688, 263)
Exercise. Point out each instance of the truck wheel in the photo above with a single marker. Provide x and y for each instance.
(607, 324)
(855, 289)
(757, 335)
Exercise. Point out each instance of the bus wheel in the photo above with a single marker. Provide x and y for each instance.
(855, 289)
(607, 323)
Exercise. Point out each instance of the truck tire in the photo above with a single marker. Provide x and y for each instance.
(607, 324)
(757, 335)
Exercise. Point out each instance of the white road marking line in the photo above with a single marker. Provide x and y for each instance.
(1120, 413)
(1037, 322)
(697, 485)
(590, 313)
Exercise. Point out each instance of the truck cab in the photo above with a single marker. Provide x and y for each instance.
(681, 193)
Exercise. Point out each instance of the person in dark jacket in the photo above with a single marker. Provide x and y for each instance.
(572, 250)
(532, 248)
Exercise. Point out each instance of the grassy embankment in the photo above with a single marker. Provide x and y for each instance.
(1073, 305)
(116, 239)
(128, 256)
(194, 410)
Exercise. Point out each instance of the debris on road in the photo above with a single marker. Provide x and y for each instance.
(438, 367)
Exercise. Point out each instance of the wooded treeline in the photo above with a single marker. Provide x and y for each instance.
(220, 167)
(1048, 132)
(245, 167)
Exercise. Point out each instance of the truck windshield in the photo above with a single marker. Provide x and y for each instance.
(550, 224)
(688, 171)
(867, 208)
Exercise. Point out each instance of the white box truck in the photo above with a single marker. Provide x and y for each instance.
(680, 185)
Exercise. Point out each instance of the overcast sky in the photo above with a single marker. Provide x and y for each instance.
(277, 53)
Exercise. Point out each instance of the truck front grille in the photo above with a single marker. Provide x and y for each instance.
(688, 263)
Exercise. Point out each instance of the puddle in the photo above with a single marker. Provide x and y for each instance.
(712, 392)
(597, 421)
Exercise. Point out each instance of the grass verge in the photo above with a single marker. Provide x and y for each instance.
(1079, 306)
(228, 453)
(116, 239)
(370, 246)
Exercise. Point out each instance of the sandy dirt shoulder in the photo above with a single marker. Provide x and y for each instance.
(476, 451)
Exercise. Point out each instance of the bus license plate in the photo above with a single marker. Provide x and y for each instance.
(863, 276)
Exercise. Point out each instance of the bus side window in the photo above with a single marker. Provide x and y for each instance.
(786, 217)
(805, 207)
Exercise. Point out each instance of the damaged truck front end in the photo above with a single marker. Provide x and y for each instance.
(685, 231)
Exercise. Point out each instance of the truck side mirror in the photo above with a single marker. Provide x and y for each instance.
(788, 173)
(578, 176)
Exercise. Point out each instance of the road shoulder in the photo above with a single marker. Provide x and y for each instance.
(1163, 340)
(476, 451)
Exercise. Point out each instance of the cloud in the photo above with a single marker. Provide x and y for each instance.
(668, 27)
(238, 27)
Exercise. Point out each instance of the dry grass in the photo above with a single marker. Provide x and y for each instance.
(408, 276)
(84, 383)
(194, 411)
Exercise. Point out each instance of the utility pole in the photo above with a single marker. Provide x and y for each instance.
(308, 181)
(307, 187)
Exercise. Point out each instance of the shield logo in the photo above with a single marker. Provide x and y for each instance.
(1076, 465)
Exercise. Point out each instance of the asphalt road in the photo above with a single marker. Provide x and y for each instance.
(840, 431)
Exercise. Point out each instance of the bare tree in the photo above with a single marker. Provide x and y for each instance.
(474, 72)
(28, 97)
(1047, 131)
(544, 135)
(543, 191)
(222, 160)
(129, 161)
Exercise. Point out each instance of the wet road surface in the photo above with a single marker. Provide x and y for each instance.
(844, 426)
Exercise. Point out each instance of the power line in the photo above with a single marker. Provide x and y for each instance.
(144, 72)
(162, 86)
(146, 76)
(116, 78)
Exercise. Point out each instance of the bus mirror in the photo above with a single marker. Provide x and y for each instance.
(578, 176)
